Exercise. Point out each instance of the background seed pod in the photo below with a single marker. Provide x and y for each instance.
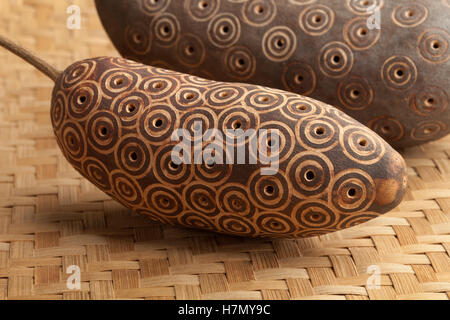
(393, 79)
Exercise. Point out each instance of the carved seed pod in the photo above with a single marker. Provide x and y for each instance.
(114, 120)
(393, 78)
(289, 166)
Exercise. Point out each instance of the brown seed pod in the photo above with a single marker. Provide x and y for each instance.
(114, 120)
(391, 76)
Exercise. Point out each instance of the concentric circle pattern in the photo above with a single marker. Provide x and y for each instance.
(388, 128)
(233, 198)
(352, 190)
(429, 101)
(224, 30)
(336, 59)
(358, 35)
(83, 98)
(58, 109)
(370, 58)
(191, 50)
(279, 43)
(316, 20)
(259, 12)
(434, 45)
(361, 145)
(97, 173)
(427, 129)
(138, 39)
(311, 173)
(410, 15)
(317, 133)
(399, 73)
(299, 77)
(315, 214)
(227, 157)
(240, 62)
(355, 93)
(166, 29)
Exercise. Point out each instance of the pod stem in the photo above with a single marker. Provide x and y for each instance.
(29, 57)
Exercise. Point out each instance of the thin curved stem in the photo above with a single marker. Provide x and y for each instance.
(29, 57)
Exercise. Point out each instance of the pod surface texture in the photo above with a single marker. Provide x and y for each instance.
(114, 118)
(393, 79)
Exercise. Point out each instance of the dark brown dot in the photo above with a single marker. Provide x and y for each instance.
(298, 78)
(351, 192)
(133, 156)
(236, 124)
(276, 224)
(236, 204)
(362, 31)
(355, 93)
(336, 59)
(224, 94)
(385, 129)
(131, 107)
(280, 43)
(137, 38)
(269, 190)
(362, 142)
(173, 165)
(82, 99)
(399, 73)
(429, 102)
(103, 131)
(309, 175)
(259, 9)
(320, 131)
(203, 201)
(158, 123)
(190, 50)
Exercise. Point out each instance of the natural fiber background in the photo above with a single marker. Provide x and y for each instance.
(51, 218)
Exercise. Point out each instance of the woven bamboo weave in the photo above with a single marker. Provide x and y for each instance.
(52, 218)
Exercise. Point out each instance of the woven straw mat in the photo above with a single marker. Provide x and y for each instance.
(52, 218)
